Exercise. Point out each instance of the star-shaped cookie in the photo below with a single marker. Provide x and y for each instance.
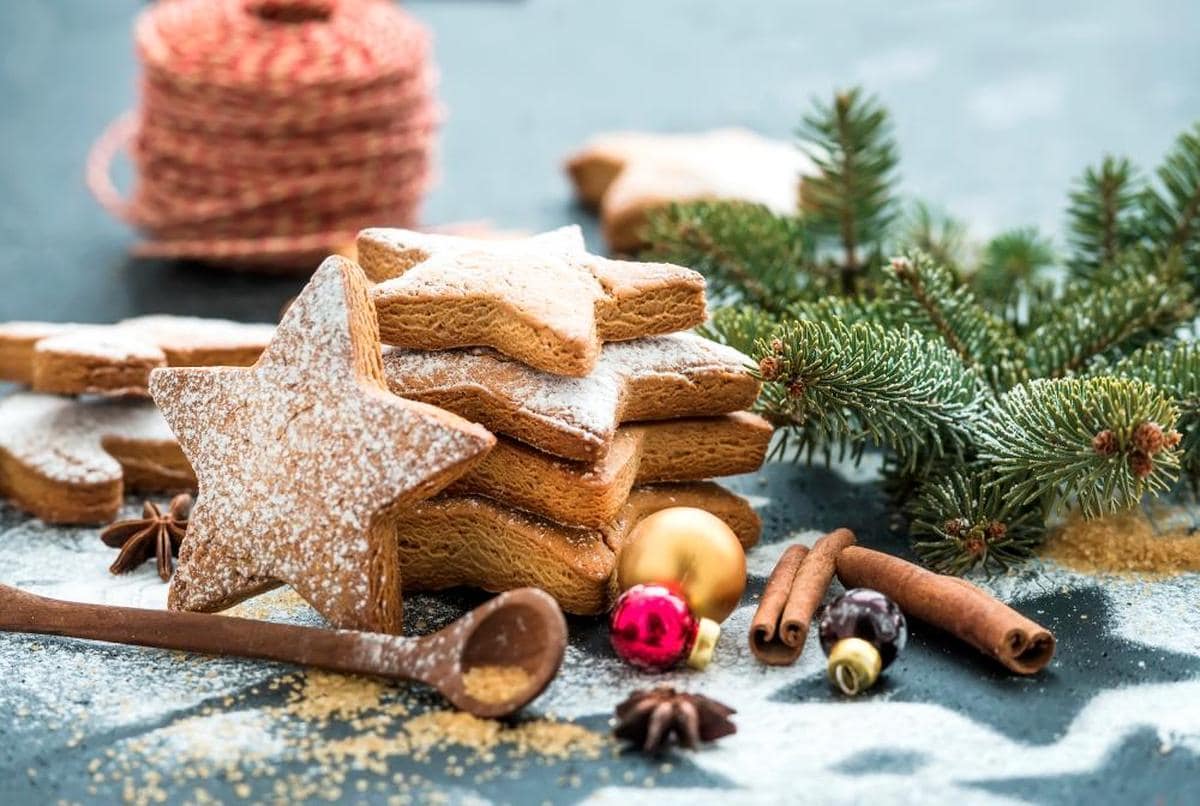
(627, 174)
(304, 458)
(71, 359)
(590, 493)
(543, 300)
(72, 461)
(662, 377)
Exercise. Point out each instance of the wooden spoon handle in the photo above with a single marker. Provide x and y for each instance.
(336, 650)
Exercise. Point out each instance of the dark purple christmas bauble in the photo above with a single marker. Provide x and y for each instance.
(869, 615)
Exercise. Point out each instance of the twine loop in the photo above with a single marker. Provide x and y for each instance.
(271, 131)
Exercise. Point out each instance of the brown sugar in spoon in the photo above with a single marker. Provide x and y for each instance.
(522, 629)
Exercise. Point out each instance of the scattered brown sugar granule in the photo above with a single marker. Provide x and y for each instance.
(250, 748)
(328, 695)
(495, 683)
(1127, 543)
(540, 737)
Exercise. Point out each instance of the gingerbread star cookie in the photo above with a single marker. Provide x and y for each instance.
(627, 174)
(543, 300)
(304, 458)
(73, 359)
(591, 493)
(72, 461)
(662, 377)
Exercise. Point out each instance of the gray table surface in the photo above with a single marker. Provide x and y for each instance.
(997, 106)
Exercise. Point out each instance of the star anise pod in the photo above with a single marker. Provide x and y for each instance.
(155, 534)
(649, 718)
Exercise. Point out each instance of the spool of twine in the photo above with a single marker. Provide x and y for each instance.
(271, 131)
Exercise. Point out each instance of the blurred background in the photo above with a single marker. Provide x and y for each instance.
(996, 107)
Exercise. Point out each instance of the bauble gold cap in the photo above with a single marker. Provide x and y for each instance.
(707, 633)
(854, 665)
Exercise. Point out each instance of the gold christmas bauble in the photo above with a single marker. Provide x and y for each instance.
(693, 550)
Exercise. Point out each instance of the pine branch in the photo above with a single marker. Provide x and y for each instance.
(1172, 210)
(855, 352)
(848, 311)
(1029, 305)
(742, 327)
(1010, 263)
(1106, 318)
(837, 385)
(851, 201)
(1102, 218)
(1102, 442)
(964, 520)
(748, 254)
(930, 300)
(1173, 367)
(937, 234)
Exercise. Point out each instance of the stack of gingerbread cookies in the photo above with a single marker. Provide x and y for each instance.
(605, 411)
(534, 403)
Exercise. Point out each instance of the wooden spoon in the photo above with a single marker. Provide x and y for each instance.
(523, 628)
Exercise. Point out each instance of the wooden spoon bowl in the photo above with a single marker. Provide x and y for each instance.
(526, 630)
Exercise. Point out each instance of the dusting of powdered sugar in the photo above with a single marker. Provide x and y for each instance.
(101, 343)
(588, 409)
(33, 331)
(152, 337)
(721, 164)
(111, 722)
(549, 279)
(534, 275)
(299, 454)
(61, 437)
(196, 333)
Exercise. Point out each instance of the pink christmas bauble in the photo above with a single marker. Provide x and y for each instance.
(653, 629)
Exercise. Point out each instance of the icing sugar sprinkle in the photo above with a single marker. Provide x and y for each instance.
(62, 438)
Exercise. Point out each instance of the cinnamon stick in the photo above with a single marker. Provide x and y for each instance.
(794, 592)
(765, 643)
(955, 605)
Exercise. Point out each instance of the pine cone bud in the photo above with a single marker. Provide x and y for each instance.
(777, 346)
(1105, 443)
(996, 530)
(974, 546)
(956, 527)
(768, 367)
(1148, 438)
(1172, 439)
(795, 389)
(1141, 464)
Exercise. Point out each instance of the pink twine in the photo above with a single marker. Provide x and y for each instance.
(271, 131)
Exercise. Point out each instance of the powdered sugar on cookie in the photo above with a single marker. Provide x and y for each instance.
(57, 454)
(62, 438)
(85, 359)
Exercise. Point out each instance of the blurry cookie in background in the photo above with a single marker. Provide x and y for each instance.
(624, 175)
